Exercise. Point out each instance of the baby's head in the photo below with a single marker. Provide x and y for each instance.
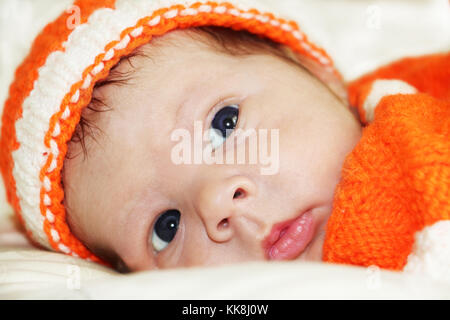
(140, 135)
(133, 203)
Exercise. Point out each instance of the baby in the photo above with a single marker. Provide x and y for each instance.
(129, 202)
(104, 118)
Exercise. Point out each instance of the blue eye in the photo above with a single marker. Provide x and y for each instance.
(165, 229)
(223, 124)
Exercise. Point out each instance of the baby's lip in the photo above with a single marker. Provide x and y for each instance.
(288, 239)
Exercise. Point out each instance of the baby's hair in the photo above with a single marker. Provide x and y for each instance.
(224, 40)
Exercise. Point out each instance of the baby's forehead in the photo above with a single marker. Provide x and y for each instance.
(174, 52)
(223, 43)
(179, 42)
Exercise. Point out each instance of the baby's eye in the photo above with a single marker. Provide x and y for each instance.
(223, 124)
(165, 229)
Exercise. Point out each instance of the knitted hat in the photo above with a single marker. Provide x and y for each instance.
(56, 80)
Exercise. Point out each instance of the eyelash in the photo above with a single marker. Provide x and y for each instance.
(218, 106)
(175, 238)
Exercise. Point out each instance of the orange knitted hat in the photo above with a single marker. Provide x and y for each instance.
(56, 80)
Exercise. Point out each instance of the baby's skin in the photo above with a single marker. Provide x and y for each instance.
(130, 201)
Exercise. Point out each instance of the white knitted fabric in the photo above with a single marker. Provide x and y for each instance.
(381, 88)
(431, 252)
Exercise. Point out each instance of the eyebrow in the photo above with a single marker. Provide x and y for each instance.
(184, 103)
(180, 111)
(116, 77)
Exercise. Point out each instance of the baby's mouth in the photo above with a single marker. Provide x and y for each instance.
(287, 240)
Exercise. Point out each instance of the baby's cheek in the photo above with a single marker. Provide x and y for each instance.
(309, 165)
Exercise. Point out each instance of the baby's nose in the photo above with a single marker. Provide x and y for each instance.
(221, 202)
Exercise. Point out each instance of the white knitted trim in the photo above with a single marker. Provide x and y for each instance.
(431, 252)
(382, 88)
(63, 69)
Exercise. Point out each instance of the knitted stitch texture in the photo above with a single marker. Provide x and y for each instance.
(396, 181)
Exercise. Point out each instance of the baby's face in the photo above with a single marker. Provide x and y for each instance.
(129, 197)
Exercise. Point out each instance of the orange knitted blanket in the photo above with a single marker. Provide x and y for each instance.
(396, 182)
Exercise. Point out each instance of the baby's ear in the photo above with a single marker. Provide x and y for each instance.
(366, 97)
